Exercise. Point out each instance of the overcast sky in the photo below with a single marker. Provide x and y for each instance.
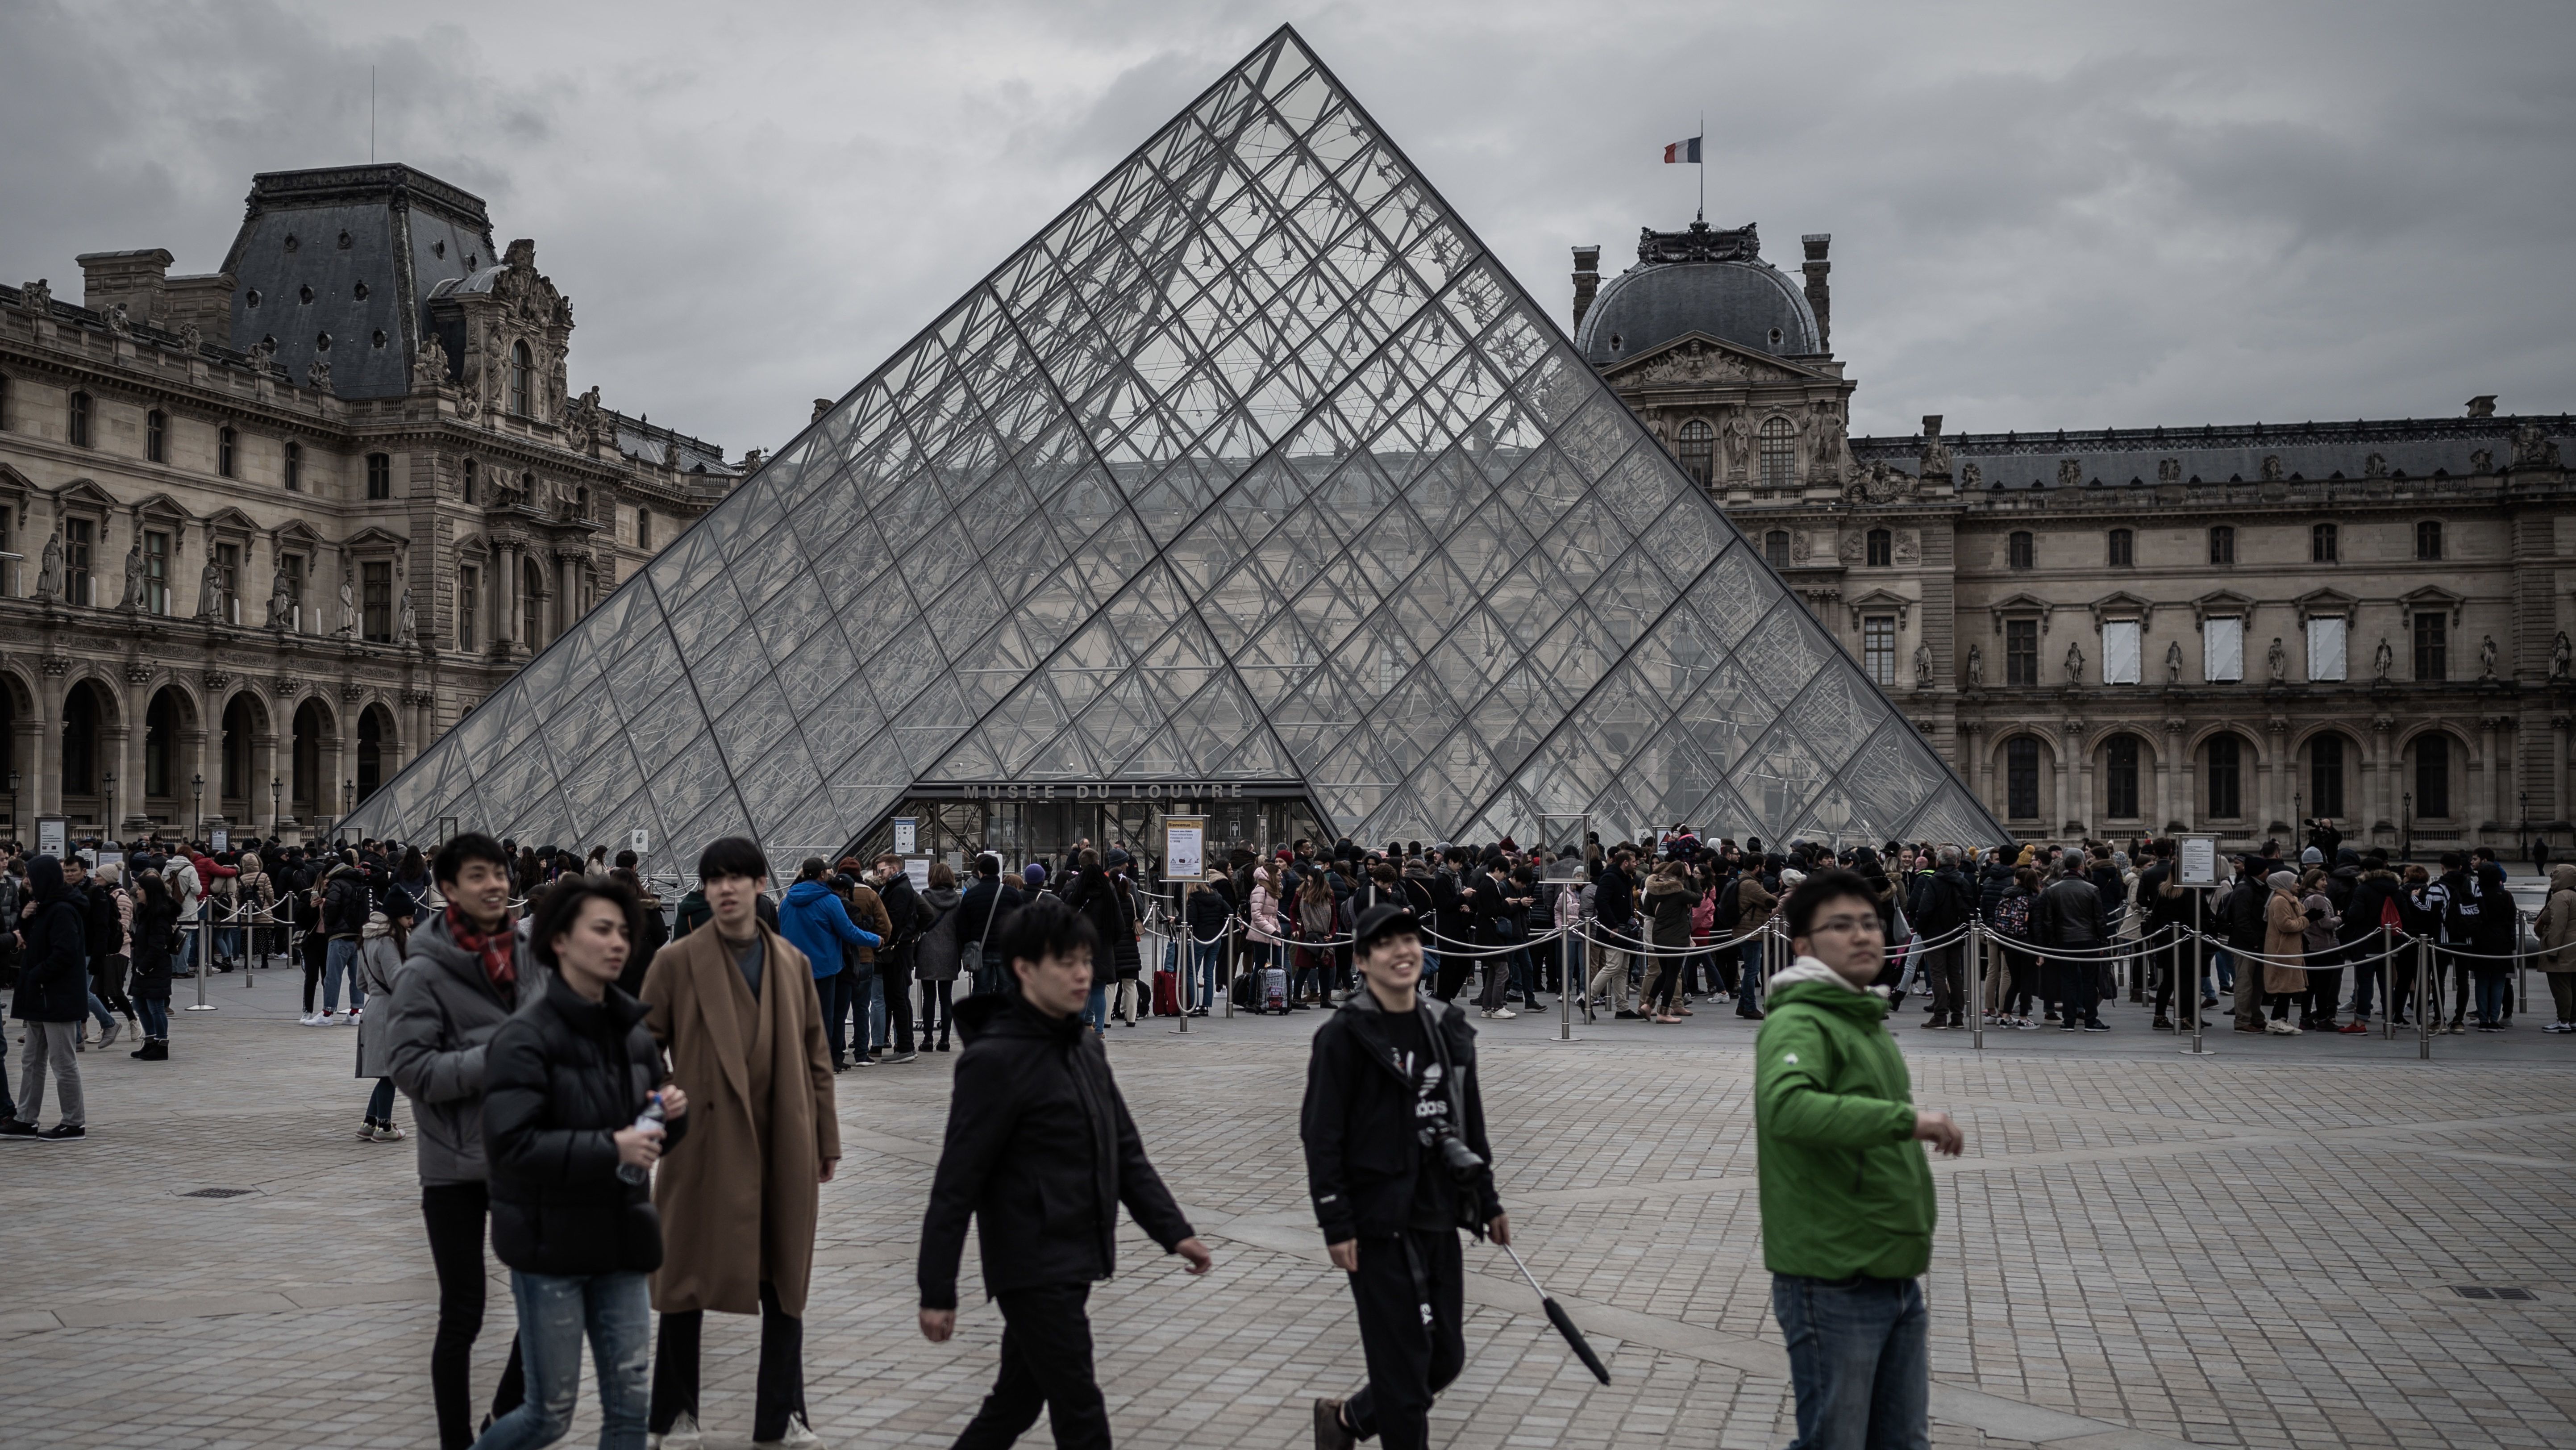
(2044, 216)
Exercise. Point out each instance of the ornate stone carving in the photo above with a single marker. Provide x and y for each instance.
(1909, 546)
(2271, 468)
(2558, 657)
(1970, 476)
(192, 338)
(210, 590)
(1976, 668)
(2382, 660)
(118, 323)
(138, 674)
(429, 365)
(352, 692)
(2173, 662)
(1923, 667)
(318, 376)
(2487, 657)
(215, 679)
(2074, 662)
(1852, 547)
(37, 297)
(2277, 660)
(132, 600)
(262, 357)
(2495, 722)
(418, 698)
(55, 666)
(2168, 470)
(1800, 546)
(2375, 466)
(49, 571)
(2532, 448)
(2482, 461)
(2070, 472)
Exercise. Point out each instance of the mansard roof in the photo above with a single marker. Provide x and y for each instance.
(2408, 448)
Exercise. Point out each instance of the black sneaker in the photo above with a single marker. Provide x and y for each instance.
(63, 1133)
(2164, 1024)
(1330, 1432)
(2097, 1027)
(12, 1128)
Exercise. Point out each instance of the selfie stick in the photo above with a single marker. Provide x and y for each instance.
(1557, 1316)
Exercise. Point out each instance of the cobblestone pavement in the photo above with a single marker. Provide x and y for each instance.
(2254, 1248)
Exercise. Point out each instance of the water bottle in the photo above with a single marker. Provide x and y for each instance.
(651, 1117)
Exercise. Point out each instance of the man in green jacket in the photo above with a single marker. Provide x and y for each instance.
(1847, 1209)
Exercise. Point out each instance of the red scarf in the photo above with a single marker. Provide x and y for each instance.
(494, 950)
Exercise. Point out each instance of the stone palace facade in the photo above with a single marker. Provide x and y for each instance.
(2112, 632)
(264, 533)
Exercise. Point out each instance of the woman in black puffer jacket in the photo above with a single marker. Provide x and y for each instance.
(564, 1082)
(155, 937)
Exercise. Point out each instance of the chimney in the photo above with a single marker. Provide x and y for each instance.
(1587, 280)
(2482, 406)
(1931, 427)
(133, 278)
(1820, 298)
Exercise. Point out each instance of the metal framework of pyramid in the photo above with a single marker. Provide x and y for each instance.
(1254, 466)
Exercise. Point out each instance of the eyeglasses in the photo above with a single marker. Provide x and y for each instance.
(1865, 924)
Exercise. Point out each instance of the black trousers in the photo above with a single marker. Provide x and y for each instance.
(938, 1004)
(1411, 1293)
(107, 979)
(455, 1214)
(1454, 967)
(896, 974)
(1046, 1364)
(778, 1392)
(2076, 1002)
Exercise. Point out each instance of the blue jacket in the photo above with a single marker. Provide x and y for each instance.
(814, 918)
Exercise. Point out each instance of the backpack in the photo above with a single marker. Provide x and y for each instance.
(2012, 917)
(1703, 918)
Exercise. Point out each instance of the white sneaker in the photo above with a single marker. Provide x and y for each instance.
(683, 1435)
(2279, 1028)
(314, 1019)
(797, 1434)
(1502, 1014)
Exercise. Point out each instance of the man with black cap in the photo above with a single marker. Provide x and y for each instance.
(1397, 1162)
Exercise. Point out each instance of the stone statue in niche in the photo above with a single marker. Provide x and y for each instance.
(2558, 657)
(133, 597)
(2074, 663)
(49, 570)
(410, 621)
(2271, 468)
(2382, 660)
(2277, 660)
(2070, 472)
(278, 603)
(2375, 466)
(1976, 668)
(210, 590)
(2487, 658)
(2173, 663)
(348, 603)
(2168, 470)
(1923, 667)
(2532, 448)
(1738, 436)
(2482, 461)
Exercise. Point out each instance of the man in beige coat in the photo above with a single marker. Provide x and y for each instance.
(2557, 929)
(736, 1008)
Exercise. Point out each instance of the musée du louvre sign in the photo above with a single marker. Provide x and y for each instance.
(1107, 790)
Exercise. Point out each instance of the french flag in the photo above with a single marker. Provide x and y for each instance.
(1682, 151)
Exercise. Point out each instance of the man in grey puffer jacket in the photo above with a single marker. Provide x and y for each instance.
(465, 973)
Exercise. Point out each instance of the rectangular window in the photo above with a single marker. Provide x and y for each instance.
(2120, 777)
(380, 475)
(2325, 650)
(2433, 776)
(2225, 768)
(2021, 651)
(377, 584)
(2325, 776)
(156, 572)
(294, 569)
(2120, 652)
(2222, 649)
(2321, 543)
(2222, 545)
(644, 528)
(1775, 548)
(469, 596)
(78, 536)
(1878, 648)
(2021, 778)
(2018, 552)
(228, 580)
(2124, 549)
(156, 436)
(2432, 648)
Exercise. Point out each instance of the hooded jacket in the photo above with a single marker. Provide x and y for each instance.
(814, 919)
(1845, 1189)
(562, 1076)
(53, 964)
(1362, 1152)
(939, 952)
(345, 902)
(1040, 1151)
(2557, 925)
(445, 1010)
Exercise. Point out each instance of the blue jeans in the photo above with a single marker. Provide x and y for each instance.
(555, 1313)
(1748, 985)
(837, 993)
(1095, 1008)
(1859, 1359)
(2491, 997)
(1207, 962)
(155, 1015)
(876, 1011)
(342, 958)
(2224, 963)
(98, 1009)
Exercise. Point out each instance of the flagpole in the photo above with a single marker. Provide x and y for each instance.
(1702, 148)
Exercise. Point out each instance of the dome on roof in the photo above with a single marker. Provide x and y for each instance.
(1706, 281)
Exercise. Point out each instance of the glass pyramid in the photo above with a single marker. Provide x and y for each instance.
(1254, 466)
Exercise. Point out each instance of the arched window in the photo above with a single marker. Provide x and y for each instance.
(1698, 450)
(224, 449)
(2428, 539)
(1881, 548)
(2018, 552)
(160, 746)
(78, 421)
(310, 726)
(156, 436)
(2123, 552)
(2433, 775)
(2021, 778)
(80, 741)
(1779, 453)
(294, 468)
(2222, 545)
(532, 606)
(2325, 776)
(2120, 778)
(371, 753)
(522, 366)
(2226, 764)
(1775, 548)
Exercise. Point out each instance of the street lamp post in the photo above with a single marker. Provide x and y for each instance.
(2405, 824)
(276, 808)
(204, 953)
(108, 781)
(197, 807)
(13, 803)
(348, 798)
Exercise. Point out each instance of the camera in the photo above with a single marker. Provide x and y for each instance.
(1461, 1160)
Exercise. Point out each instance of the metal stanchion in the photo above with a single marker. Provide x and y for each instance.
(1233, 951)
(1185, 962)
(2428, 1002)
(1570, 980)
(1976, 963)
(2199, 958)
(205, 953)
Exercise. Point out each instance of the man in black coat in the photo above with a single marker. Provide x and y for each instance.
(1944, 902)
(1040, 1152)
(988, 901)
(53, 995)
(1397, 1162)
(2068, 917)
